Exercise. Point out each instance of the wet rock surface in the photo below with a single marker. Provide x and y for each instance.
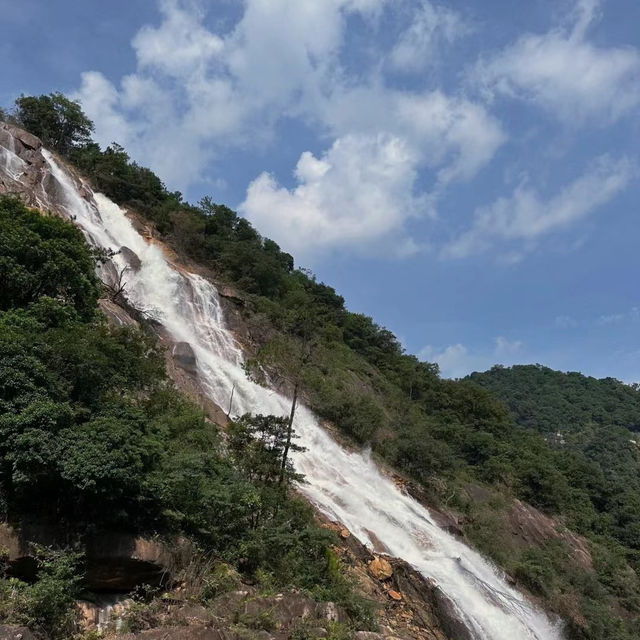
(133, 261)
(185, 357)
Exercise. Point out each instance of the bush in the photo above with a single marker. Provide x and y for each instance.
(48, 605)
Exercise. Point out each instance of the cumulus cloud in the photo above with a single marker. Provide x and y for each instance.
(358, 192)
(197, 90)
(179, 45)
(566, 74)
(457, 360)
(525, 216)
(363, 189)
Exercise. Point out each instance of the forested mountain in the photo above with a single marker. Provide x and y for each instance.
(551, 401)
(455, 439)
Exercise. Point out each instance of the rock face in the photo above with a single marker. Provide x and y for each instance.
(120, 562)
(407, 604)
(185, 357)
(530, 527)
(116, 314)
(114, 562)
(283, 610)
(22, 166)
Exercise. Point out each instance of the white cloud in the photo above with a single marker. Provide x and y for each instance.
(455, 134)
(179, 45)
(358, 192)
(505, 348)
(431, 26)
(457, 361)
(100, 100)
(524, 216)
(566, 74)
(196, 91)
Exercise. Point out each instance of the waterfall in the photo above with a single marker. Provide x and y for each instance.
(345, 485)
(12, 164)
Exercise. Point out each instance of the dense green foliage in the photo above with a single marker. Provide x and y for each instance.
(586, 423)
(92, 435)
(59, 122)
(48, 605)
(43, 256)
(590, 426)
(550, 401)
(448, 435)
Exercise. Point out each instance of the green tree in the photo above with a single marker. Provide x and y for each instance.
(59, 122)
(43, 256)
(260, 446)
(289, 356)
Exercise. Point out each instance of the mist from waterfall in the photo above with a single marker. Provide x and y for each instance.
(345, 485)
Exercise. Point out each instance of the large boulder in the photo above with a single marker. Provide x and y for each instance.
(380, 568)
(131, 257)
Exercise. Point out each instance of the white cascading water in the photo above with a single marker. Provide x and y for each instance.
(345, 485)
(12, 164)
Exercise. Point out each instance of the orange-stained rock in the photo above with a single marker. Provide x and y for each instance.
(394, 595)
(380, 568)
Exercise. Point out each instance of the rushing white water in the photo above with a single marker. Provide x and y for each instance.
(345, 485)
(12, 164)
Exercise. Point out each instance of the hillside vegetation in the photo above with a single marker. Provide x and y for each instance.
(551, 401)
(446, 435)
(94, 437)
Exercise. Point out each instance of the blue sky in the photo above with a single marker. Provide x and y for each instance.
(467, 173)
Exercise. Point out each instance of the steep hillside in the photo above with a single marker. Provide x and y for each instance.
(455, 439)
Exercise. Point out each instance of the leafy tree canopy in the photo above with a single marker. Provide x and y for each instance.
(58, 121)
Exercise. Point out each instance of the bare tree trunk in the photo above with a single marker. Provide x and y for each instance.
(285, 453)
(118, 287)
(231, 399)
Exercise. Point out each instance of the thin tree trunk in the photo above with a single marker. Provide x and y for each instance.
(231, 400)
(285, 453)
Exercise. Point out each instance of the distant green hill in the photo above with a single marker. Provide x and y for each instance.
(550, 401)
